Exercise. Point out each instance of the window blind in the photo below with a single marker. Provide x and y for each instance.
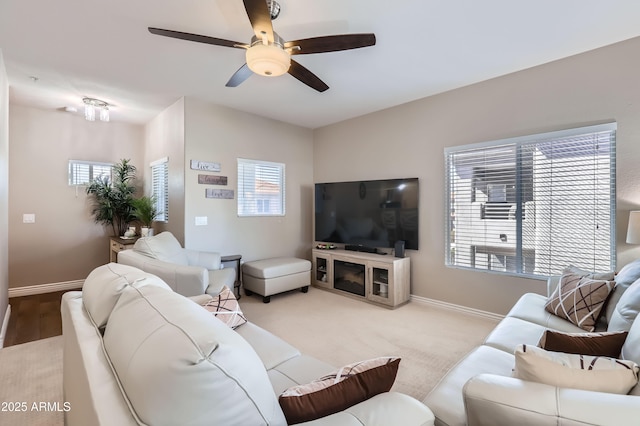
(261, 188)
(160, 188)
(83, 172)
(533, 205)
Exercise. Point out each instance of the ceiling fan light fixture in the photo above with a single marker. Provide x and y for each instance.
(268, 60)
(274, 9)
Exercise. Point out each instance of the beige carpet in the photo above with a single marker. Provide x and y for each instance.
(31, 383)
(341, 330)
(331, 327)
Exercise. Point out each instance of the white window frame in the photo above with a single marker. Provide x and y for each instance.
(552, 227)
(160, 187)
(250, 201)
(90, 166)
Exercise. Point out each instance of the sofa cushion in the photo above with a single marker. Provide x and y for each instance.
(530, 307)
(178, 364)
(297, 371)
(271, 349)
(595, 344)
(511, 332)
(626, 309)
(627, 276)
(629, 273)
(226, 308)
(579, 299)
(104, 285)
(163, 246)
(339, 390)
(446, 399)
(599, 374)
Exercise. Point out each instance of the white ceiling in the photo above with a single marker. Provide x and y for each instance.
(102, 49)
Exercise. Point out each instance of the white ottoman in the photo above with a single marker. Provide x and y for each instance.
(276, 275)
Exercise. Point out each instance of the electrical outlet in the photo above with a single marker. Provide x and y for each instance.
(201, 220)
(29, 218)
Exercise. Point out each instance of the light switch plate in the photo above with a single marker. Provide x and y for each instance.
(201, 220)
(29, 218)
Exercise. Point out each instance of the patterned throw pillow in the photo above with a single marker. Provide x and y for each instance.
(226, 308)
(579, 299)
(339, 390)
(593, 373)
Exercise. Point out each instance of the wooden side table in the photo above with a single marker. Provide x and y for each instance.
(238, 282)
(117, 244)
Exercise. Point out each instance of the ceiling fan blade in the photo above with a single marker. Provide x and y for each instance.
(307, 77)
(196, 37)
(260, 18)
(331, 43)
(239, 76)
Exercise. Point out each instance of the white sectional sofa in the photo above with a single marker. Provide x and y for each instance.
(481, 389)
(137, 353)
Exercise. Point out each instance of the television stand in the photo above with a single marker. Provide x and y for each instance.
(382, 280)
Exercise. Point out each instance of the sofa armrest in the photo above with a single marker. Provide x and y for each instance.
(220, 278)
(389, 408)
(499, 400)
(87, 380)
(185, 280)
(204, 259)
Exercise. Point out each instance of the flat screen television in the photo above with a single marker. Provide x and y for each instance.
(372, 213)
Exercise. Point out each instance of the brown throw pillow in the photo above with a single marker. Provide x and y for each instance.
(225, 307)
(339, 390)
(607, 344)
(579, 299)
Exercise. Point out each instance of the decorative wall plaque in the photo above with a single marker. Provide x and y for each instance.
(205, 166)
(219, 193)
(212, 180)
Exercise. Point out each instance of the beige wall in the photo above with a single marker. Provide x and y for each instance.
(409, 140)
(404, 141)
(64, 244)
(164, 137)
(219, 134)
(4, 195)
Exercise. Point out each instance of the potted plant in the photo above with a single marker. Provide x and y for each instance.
(146, 212)
(111, 199)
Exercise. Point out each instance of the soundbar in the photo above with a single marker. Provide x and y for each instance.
(361, 248)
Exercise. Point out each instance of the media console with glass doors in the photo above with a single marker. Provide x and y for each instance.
(380, 279)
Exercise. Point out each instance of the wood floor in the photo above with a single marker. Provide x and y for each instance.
(33, 318)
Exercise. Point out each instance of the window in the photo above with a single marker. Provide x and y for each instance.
(160, 188)
(533, 205)
(260, 188)
(83, 172)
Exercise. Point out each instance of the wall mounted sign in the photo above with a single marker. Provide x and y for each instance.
(212, 180)
(219, 193)
(205, 166)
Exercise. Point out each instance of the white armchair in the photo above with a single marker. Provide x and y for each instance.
(188, 272)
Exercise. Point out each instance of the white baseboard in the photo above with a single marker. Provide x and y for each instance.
(457, 308)
(5, 324)
(44, 288)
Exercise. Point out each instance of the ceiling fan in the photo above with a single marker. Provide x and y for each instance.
(268, 54)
